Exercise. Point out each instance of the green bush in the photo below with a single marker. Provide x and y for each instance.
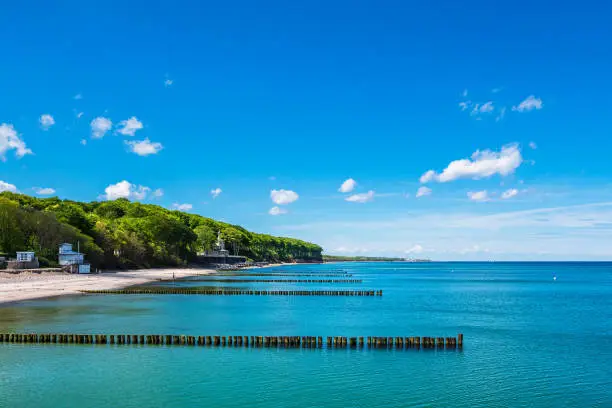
(46, 263)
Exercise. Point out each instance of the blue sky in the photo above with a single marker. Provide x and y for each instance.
(508, 104)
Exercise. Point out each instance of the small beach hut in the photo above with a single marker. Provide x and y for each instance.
(69, 257)
(23, 260)
(75, 260)
(25, 256)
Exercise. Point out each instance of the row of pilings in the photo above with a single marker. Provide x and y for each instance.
(272, 274)
(230, 292)
(332, 342)
(225, 280)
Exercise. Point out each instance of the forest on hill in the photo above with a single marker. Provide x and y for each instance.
(121, 234)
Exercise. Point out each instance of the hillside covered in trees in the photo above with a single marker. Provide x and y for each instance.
(123, 234)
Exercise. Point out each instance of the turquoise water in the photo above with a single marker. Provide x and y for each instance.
(530, 340)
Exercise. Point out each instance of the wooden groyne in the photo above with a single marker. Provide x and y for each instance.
(230, 292)
(225, 280)
(331, 342)
(304, 275)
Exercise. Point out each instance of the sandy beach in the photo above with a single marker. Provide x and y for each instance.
(25, 286)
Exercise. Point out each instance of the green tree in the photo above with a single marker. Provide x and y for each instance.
(206, 237)
(11, 236)
(233, 237)
(72, 214)
(122, 234)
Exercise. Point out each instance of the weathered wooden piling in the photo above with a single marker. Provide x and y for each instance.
(225, 280)
(331, 342)
(232, 292)
(274, 275)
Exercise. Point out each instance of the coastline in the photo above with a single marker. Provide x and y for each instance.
(269, 266)
(28, 286)
(18, 287)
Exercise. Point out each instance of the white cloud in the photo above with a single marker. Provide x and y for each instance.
(157, 193)
(485, 108)
(282, 197)
(144, 147)
(83, 142)
(125, 189)
(353, 250)
(99, 127)
(482, 164)
(46, 121)
(130, 126)
(78, 96)
(478, 195)
(533, 145)
(361, 198)
(423, 191)
(509, 193)
(464, 93)
(44, 191)
(563, 233)
(182, 207)
(168, 83)
(10, 140)
(529, 104)
(215, 192)
(277, 211)
(473, 249)
(428, 176)
(79, 115)
(465, 105)
(4, 186)
(416, 249)
(348, 186)
(479, 110)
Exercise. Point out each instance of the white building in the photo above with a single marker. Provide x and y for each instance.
(25, 256)
(69, 257)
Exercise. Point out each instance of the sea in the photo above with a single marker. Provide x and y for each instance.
(536, 334)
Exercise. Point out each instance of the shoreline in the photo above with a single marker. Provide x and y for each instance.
(25, 286)
(248, 268)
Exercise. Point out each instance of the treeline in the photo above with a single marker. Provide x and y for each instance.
(338, 258)
(123, 234)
